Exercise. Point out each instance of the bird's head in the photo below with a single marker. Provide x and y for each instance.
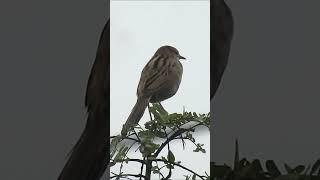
(169, 51)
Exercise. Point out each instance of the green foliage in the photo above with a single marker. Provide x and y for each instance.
(253, 170)
(163, 127)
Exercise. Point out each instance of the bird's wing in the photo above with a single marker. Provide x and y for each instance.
(90, 156)
(153, 76)
(221, 35)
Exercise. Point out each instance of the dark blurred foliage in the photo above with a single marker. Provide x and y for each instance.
(253, 170)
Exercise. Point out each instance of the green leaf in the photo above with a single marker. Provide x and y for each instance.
(113, 145)
(126, 160)
(147, 147)
(155, 170)
(164, 159)
(169, 166)
(195, 115)
(187, 177)
(121, 154)
(194, 177)
(170, 157)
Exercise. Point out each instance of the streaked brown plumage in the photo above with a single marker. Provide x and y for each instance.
(160, 79)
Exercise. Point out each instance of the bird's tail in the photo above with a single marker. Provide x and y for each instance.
(135, 115)
(90, 156)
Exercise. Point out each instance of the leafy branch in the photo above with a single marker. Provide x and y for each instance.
(166, 128)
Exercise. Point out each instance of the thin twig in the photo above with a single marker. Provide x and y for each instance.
(159, 171)
(185, 168)
(149, 112)
(111, 137)
(170, 171)
(160, 160)
(177, 133)
(136, 135)
(173, 136)
(125, 175)
(121, 166)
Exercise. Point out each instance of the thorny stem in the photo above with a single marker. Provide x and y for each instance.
(177, 133)
(169, 175)
(185, 168)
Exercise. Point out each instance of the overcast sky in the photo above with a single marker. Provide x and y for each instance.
(138, 29)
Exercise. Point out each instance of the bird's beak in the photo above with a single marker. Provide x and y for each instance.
(181, 57)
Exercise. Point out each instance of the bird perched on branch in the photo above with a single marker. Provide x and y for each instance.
(160, 80)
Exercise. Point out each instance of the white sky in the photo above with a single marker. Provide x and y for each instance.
(138, 29)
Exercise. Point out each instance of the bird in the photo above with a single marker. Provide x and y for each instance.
(160, 79)
(221, 35)
(90, 156)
